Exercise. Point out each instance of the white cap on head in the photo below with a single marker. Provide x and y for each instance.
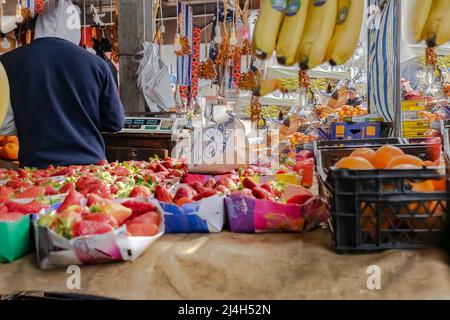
(59, 19)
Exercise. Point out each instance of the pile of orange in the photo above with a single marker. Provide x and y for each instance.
(9, 148)
(391, 157)
(387, 157)
(349, 111)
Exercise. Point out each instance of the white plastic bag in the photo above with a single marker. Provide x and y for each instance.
(154, 80)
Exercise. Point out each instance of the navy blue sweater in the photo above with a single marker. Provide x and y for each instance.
(63, 97)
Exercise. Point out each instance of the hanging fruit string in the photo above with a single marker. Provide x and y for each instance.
(248, 81)
(304, 81)
(114, 31)
(182, 47)
(206, 68)
(431, 58)
(255, 110)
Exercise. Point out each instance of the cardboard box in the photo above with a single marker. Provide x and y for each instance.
(248, 215)
(204, 216)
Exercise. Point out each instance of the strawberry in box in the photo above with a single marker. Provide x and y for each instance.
(195, 208)
(264, 208)
(106, 231)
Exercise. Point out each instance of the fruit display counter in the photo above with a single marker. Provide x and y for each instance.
(244, 266)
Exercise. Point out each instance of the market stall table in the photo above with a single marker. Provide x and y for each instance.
(244, 266)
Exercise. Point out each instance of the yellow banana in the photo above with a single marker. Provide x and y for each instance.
(266, 30)
(420, 13)
(318, 32)
(4, 94)
(346, 34)
(443, 33)
(343, 11)
(291, 35)
(435, 19)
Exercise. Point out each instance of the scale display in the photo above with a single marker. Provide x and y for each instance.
(159, 125)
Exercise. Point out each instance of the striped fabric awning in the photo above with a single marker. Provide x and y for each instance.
(383, 58)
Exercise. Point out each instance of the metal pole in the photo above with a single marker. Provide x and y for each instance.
(398, 115)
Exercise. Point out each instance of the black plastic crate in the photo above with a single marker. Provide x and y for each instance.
(446, 144)
(325, 144)
(375, 210)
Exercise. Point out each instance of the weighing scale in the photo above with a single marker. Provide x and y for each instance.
(150, 125)
(143, 137)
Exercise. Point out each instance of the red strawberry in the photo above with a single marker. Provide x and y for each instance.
(300, 198)
(67, 187)
(221, 188)
(50, 190)
(63, 172)
(197, 186)
(267, 187)
(3, 209)
(160, 168)
(23, 174)
(11, 216)
(174, 173)
(93, 199)
(31, 192)
(113, 189)
(151, 178)
(116, 210)
(248, 173)
(210, 183)
(261, 193)
(142, 230)
(184, 191)
(101, 217)
(5, 193)
(12, 174)
(227, 182)
(140, 191)
(17, 184)
(138, 208)
(102, 163)
(152, 167)
(86, 182)
(183, 167)
(73, 198)
(204, 194)
(183, 201)
(121, 171)
(86, 228)
(248, 183)
(147, 218)
(161, 176)
(162, 194)
(168, 164)
(31, 207)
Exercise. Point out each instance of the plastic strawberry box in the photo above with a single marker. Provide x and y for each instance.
(14, 239)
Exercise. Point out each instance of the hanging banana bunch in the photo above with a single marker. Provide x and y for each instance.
(309, 32)
(431, 22)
